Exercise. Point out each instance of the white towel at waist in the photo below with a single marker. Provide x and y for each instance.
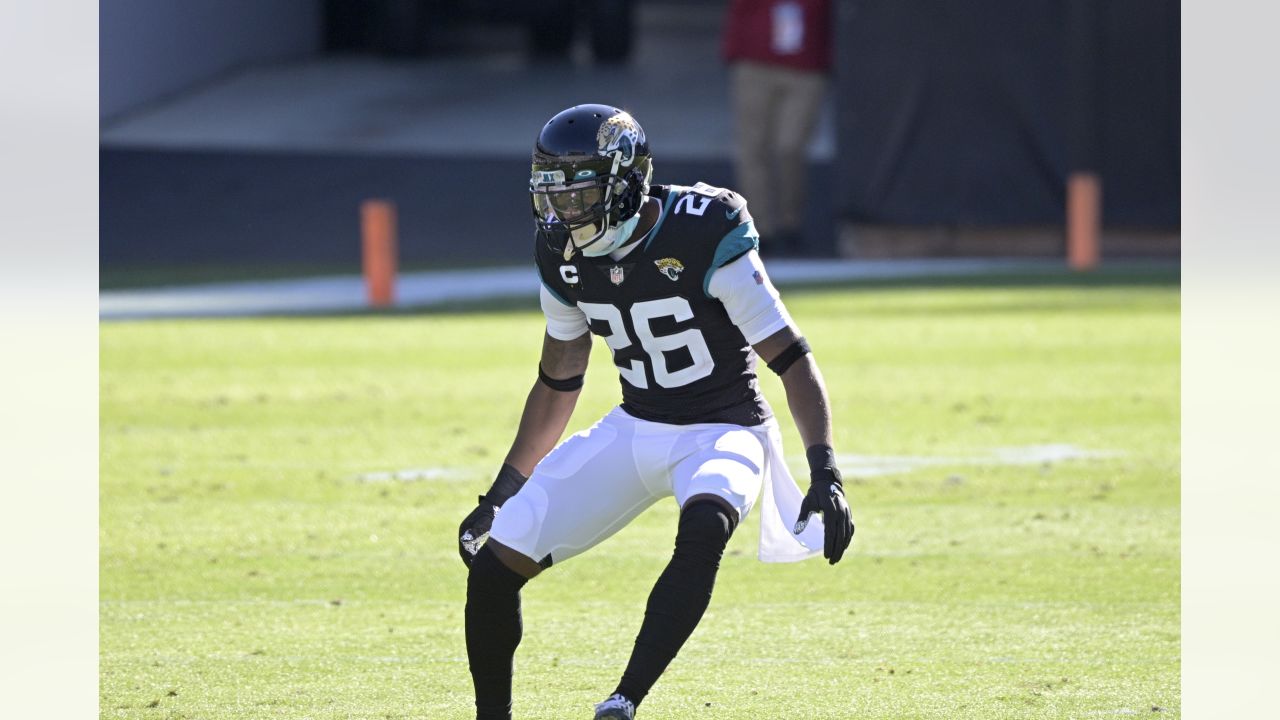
(780, 505)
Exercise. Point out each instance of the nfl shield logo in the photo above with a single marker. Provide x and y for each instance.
(615, 274)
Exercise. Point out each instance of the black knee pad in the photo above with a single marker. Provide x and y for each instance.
(488, 574)
(706, 524)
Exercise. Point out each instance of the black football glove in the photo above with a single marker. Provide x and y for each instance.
(826, 496)
(474, 530)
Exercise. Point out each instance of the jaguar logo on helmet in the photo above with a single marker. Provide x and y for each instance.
(619, 133)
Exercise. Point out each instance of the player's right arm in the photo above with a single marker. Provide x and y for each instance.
(547, 408)
(566, 347)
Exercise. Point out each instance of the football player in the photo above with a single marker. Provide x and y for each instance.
(669, 277)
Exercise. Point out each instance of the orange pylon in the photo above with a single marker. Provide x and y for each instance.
(1084, 220)
(378, 235)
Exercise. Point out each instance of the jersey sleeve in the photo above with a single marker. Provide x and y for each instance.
(750, 299)
(564, 321)
(734, 230)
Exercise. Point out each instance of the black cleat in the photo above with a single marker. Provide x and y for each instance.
(616, 707)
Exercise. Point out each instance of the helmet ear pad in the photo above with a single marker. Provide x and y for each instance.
(637, 188)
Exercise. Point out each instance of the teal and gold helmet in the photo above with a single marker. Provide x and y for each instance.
(591, 172)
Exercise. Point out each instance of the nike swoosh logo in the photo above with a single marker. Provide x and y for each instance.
(734, 214)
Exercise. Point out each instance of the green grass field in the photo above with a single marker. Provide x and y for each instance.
(260, 558)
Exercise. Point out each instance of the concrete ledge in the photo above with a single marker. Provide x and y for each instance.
(863, 241)
(339, 294)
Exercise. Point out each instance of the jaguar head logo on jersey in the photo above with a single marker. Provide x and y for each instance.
(670, 267)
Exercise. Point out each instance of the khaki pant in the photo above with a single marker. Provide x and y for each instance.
(775, 110)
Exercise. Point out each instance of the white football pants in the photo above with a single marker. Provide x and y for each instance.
(595, 482)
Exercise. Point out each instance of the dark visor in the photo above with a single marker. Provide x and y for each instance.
(567, 204)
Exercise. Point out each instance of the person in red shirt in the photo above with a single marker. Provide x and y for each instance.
(779, 54)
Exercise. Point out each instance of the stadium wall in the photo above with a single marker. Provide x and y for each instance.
(973, 114)
(152, 48)
(165, 207)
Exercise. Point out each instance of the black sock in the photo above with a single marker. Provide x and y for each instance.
(494, 628)
(679, 597)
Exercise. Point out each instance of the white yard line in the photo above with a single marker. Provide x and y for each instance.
(851, 465)
(414, 475)
(878, 465)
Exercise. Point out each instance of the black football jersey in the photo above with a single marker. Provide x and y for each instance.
(680, 359)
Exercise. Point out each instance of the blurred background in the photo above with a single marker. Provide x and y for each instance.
(244, 134)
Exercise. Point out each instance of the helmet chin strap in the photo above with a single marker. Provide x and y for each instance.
(612, 238)
(572, 246)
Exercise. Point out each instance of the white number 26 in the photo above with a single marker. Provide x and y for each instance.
(642, 314)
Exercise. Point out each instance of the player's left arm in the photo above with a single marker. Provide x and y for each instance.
(788, 354)
(753, 304)
(803, 382)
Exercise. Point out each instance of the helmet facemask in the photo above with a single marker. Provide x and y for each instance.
(579, 210)
(588, 214)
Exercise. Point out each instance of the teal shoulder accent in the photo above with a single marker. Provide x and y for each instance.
(673, 192)
(736, 243)
(557, 295)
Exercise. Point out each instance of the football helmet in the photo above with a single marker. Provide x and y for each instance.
(591, 172)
